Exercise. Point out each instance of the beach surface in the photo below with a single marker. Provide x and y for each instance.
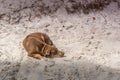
(91, 43)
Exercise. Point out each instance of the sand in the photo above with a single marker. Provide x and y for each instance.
(91, 44)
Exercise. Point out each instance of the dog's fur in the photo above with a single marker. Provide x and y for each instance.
(39, 44)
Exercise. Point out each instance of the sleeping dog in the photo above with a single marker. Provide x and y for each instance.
(39, 45)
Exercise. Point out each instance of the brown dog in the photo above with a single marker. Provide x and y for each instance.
(39, 44)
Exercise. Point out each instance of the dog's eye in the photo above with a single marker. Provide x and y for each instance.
(53, 52)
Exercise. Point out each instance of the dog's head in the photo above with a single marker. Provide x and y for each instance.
(53, 52)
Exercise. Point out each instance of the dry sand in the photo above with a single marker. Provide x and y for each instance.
(91, 44)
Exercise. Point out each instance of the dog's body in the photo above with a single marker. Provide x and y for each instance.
(39, 44)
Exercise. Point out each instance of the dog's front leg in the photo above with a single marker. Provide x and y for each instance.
(37, 56)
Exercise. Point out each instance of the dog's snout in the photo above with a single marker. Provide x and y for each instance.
(61, 53)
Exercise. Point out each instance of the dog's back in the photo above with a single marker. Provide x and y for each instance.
(43, 37)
